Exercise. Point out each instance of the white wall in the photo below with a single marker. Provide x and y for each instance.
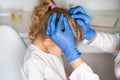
(102, 4)
(89, 4)
(18, 4)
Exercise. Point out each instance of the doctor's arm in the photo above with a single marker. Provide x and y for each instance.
(65, 40)
(82, 71)
(104, 41)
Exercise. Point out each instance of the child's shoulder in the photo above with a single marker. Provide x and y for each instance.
(31, 55)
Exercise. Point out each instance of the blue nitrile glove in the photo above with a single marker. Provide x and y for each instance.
(64, 39)
(83, 20)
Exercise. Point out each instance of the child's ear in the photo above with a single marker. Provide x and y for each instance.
(47, 42)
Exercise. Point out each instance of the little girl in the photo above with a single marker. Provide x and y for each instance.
(42, 60)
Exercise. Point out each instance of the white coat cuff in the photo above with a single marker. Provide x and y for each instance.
(79, 71)
(83, 72)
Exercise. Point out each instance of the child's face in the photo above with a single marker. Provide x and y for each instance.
(54, 49)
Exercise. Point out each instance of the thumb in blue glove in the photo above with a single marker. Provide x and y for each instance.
(83, 20)
(64, 39)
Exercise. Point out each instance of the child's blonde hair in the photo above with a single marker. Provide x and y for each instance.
(40, 16)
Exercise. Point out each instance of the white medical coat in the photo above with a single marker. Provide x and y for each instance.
(109, 42)
(38, 65)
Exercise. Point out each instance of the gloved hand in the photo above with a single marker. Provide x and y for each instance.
(64, 39)
(83, 20)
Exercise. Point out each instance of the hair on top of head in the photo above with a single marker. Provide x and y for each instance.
(40, 16)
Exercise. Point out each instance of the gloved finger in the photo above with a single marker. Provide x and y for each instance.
(85, 18)
(78, 9)
(59, 24)
(48, 28)
(71, 10)
(66, 24)
(82, 25)
(52, 22)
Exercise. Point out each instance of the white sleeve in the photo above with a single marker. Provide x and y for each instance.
(106, 41)
(83, 72)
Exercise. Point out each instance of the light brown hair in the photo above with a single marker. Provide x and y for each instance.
(40, 16)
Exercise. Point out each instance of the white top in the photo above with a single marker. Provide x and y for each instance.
(41, 66)
(109, 42)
